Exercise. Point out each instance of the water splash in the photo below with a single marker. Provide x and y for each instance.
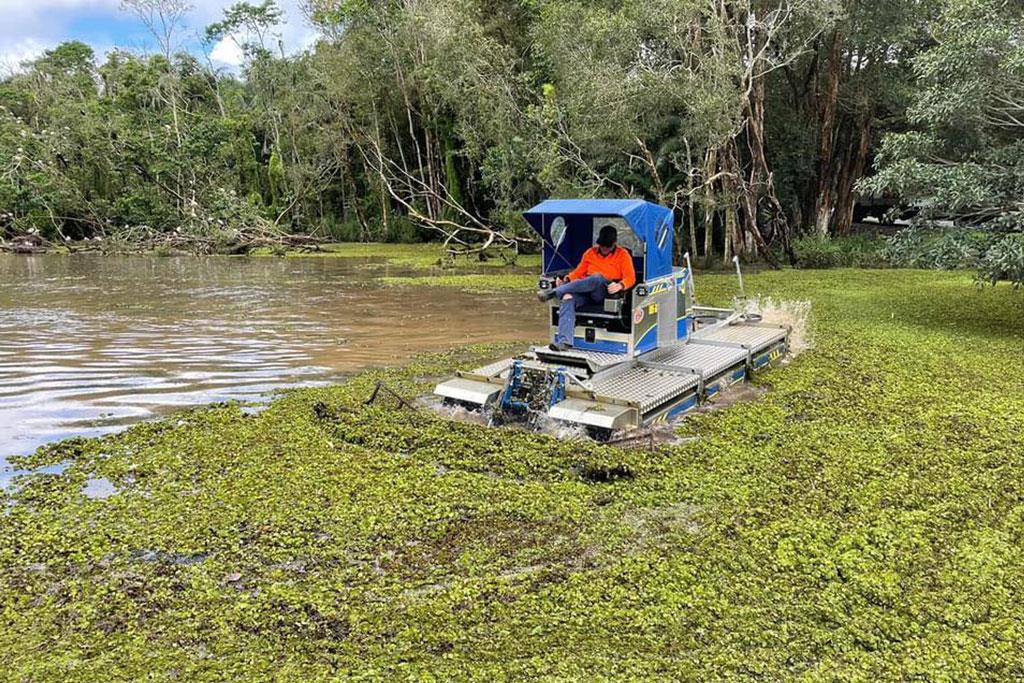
(794, 314)
(452, 411)
(563, 431)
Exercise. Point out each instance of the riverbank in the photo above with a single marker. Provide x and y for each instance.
(862, 519)
(427, 255)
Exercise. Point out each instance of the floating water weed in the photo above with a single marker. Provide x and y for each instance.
(861, 519)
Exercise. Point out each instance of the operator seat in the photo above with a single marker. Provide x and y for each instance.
(598, 316)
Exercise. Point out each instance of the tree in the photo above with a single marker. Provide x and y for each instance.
(829, 107)
(248, 26)
(753, 119)
(963, 157)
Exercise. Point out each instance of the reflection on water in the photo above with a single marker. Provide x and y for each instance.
(89, 344)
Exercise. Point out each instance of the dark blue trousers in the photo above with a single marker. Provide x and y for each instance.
(589, 290)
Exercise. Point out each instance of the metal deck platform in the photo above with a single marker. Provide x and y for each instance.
(499, 370)
(595, 360)
(643, 387)
(494, 370)
(704, 360)
(614, 391)
(754, 337)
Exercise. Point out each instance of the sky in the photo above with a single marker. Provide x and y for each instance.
(28, 27)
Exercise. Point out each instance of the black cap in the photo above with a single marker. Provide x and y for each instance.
(608, 236)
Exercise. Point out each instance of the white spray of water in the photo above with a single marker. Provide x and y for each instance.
(794, 314)
(454, 411)
(563, 431)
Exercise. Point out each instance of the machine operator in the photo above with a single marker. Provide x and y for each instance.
(605, 270)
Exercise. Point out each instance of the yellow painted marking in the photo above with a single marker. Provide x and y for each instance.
(658, 289)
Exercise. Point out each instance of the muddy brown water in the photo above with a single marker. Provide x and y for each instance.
(90, 344)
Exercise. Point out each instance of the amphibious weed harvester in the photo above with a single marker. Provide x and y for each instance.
(645, 356)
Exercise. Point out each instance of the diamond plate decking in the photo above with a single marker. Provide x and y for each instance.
(705, 359)
(494, 369)
(595, 359)
(499, 370)
(754, 338)
(541, 365)
(645, 387)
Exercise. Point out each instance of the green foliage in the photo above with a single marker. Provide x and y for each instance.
(924, 245)
(275, 173)
(860, 251)
(861, 520)
(994, 250)
(342, 231)
(116, 161)
(248, 25)
(963, 159)
(408, 120)
(1004, 260)
(403, 230)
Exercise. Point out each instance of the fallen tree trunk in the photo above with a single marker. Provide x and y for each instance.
(28, 244)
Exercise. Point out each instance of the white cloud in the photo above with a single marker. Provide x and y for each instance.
(11, 56)
(226, 51)
(30, 27)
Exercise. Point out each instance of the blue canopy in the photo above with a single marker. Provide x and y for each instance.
(578, 220)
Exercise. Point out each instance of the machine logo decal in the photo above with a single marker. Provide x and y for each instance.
(638, 316)
(660, 288)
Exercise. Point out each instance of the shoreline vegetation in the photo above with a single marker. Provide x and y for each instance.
(501, 270)
(861, 518)
(771, 132)
(875, 246)
(414, 255)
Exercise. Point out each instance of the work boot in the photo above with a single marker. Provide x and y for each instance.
(545, 295)
(559, 346)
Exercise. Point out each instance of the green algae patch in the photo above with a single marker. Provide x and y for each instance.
(408, 255)
(476, 283)
(862, 519)
(414, 256)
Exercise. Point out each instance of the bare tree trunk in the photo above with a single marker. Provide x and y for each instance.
(409, 119)
(432, 174)
(746, 195)
(692, 218)
(710, 166)
(852, 170)
(729, 234)
(824, 202)
(384, 214)
(691, 212)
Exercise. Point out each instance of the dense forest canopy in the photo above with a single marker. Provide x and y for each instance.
(757, 121)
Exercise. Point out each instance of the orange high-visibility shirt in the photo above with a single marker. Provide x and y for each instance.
(618, 265)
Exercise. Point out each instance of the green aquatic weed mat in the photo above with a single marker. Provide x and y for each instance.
(863, 518)
(476, 283)
(416, 256)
